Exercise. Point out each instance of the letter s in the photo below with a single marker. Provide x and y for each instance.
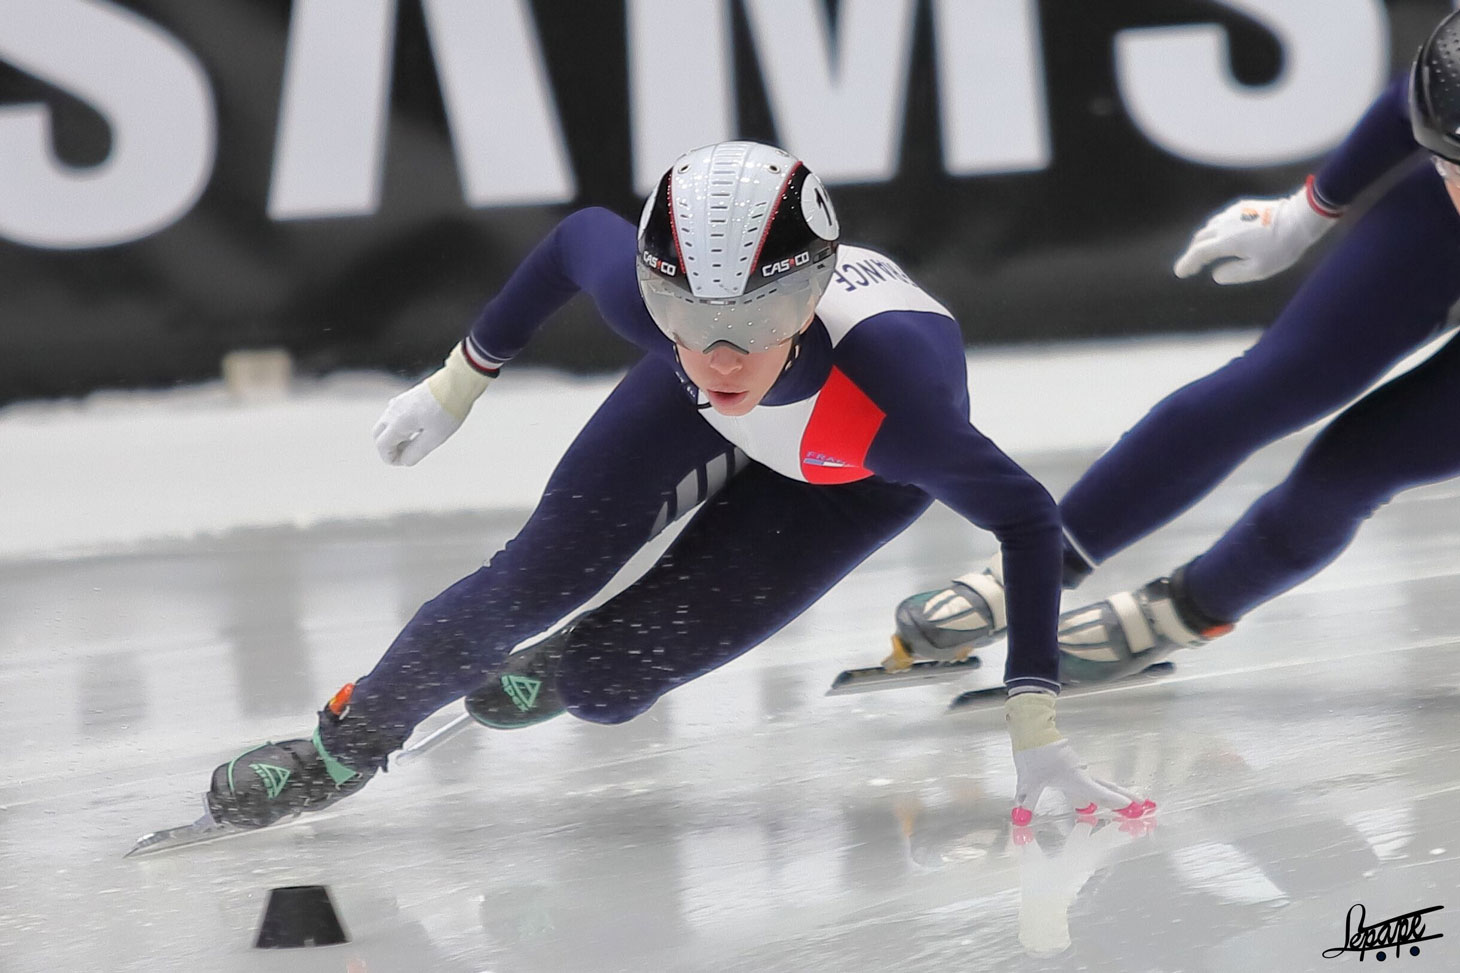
(1177, 86)
(153, 94)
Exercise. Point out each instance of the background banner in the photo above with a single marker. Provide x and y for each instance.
(352, 179)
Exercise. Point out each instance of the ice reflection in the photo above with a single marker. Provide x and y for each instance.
(1056, 861)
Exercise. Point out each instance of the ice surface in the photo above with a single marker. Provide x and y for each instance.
(1304, 763)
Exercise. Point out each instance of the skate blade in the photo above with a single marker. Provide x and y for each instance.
(181, 837)
(997, 694)
(433, 740)
(203, 830)
(875, 678)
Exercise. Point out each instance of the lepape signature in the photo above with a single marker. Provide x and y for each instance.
(1390, 934)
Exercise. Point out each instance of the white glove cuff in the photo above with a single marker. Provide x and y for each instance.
(1310, 216)
(1317, 203)
(1030, 717)
(457, 384)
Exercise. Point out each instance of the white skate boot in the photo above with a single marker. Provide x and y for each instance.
(1130, 632)
(949, 624)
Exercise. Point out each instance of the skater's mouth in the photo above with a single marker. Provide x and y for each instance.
(725, 399)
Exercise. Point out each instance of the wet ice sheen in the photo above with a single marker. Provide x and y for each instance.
(1302, 764)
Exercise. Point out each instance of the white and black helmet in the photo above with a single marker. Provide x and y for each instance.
(736, 245)
(1434, 91)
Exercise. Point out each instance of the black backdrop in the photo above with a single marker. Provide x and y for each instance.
(1082, 247)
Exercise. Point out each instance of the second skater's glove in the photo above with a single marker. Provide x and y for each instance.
(425, 415)
(1043, 758)
(1256, 238)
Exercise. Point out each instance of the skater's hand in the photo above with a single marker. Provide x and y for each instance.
(425, 415)
(1256, 238)
(1057, 766)
(1044, 759)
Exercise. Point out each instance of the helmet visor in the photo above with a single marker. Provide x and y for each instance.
(750, 323)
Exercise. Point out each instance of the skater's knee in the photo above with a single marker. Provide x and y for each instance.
(1304, 528)
(606, 711)
(1336, 481)
(595, 689)
(599, 701)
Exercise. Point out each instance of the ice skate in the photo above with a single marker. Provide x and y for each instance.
(275, 781)
(1131, 631)
(949, 624)
(937, 633)
(278, 780)
(524, 692)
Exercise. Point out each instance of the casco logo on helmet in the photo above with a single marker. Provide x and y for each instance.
(663, 266)
(800, 260)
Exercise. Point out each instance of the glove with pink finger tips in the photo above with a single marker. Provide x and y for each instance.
(1056, 766)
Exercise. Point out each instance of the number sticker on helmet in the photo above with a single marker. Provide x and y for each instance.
(816, 208)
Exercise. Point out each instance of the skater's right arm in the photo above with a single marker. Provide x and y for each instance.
(592, 251)
(1253, 239)
(1381, 140)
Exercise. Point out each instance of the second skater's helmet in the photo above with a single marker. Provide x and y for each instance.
(736, 247)
(1434, 91)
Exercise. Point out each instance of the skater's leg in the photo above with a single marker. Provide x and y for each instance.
(1400, 435)
(1377, 296)
(757, 556)
(642, 460)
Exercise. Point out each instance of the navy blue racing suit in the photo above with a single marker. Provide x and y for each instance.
(866, 427)
(1383, 291)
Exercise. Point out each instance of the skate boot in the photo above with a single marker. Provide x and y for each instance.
(524, 691)
(279, 780)
(948, 624)
(1131, 631)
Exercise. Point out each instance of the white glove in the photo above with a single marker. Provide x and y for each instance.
(1043, 758)
(1257, 237)
(425, 415)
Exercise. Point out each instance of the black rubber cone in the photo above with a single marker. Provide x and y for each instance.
(300, 915)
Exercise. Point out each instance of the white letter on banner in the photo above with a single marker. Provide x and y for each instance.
(681, 86)
(331, 142)
(837, 105)
(991, 86)
(155, 98)
(1177, 85)
(504, 122)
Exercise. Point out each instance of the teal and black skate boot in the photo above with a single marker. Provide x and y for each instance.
(524, 691)
(279, 780)
(1132, 631)
(949, 624)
